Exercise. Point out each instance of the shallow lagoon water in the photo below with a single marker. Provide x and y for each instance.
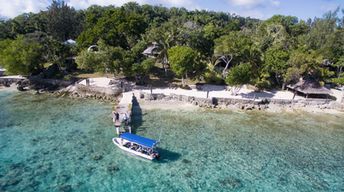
(62, 144)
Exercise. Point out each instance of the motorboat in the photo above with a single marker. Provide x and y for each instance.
(137, 145)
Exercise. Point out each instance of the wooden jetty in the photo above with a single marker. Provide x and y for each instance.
(122, 113)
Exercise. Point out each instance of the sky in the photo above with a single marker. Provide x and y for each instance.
(261, 9)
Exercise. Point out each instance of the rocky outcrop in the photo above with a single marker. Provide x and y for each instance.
(38, 83)
(9, 81)
(109, 93)
(95, 92)
(35, 82)
(75, 89)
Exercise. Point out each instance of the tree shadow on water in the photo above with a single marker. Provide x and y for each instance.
(167, 156)
(136, 118)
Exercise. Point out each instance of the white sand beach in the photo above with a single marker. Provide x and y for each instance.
(222, 92)
(99, 82)
(209, 91)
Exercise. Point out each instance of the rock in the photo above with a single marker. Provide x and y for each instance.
(186, 161)
(34, 184)
(13, 181)
(112, 168)
(64, 178)
(20, 88)
(16, 166)
(97, 157)
(65, 188)
(90, 169)
(231, 182)
(249, 107)
(188, 174)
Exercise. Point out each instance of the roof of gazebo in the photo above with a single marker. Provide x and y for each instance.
(310, 87)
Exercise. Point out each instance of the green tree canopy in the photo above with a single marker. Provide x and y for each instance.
(184, 61)
(107, 59)
(63, 22)
(275, 64)
(279, 49)
(21, 56)
(240, 74)
(115, 26)
(239, 46)
(306, 64)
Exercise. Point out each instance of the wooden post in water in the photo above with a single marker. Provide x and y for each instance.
(117, 130)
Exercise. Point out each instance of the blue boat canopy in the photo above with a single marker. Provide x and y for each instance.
(139, 140)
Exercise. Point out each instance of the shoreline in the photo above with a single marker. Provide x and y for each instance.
(184, 106)
(166, 102)
(236, 104)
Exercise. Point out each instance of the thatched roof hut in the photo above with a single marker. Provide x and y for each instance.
(309, 87)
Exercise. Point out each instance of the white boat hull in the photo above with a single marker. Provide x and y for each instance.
(117, 142)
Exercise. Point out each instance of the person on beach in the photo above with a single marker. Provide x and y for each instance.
(115, 116)
(125, 118)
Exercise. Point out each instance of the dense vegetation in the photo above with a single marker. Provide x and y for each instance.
(267, 54)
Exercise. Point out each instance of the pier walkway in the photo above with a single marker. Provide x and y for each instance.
(123, 110)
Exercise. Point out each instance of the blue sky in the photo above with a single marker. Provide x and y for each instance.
(261, 9)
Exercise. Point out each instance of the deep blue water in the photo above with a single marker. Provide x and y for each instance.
(62, 144)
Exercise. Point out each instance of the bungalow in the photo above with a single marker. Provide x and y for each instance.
(152, 50)
(70, 42)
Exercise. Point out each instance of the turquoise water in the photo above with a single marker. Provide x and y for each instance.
(61, 144)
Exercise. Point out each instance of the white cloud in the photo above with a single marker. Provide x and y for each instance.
(175, 2)
(83, 4)
(275, 2)
(254, 8)
(189, 4)
(12, 8)
(252, 13)
(253, 3)
(247, 3)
